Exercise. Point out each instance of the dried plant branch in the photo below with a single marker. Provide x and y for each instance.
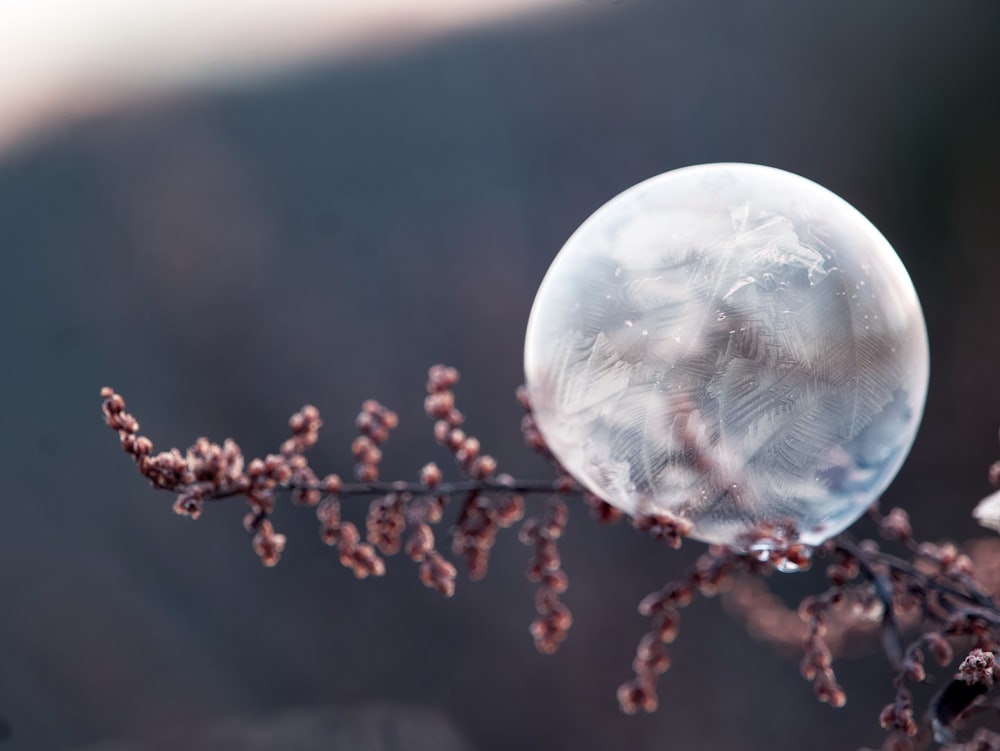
(928, 599)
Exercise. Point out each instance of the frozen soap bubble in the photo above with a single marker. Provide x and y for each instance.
(734, 345)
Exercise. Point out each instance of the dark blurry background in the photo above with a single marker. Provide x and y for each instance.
(223, 257)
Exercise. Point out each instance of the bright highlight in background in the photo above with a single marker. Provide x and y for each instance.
(64, 60)
(733, 344)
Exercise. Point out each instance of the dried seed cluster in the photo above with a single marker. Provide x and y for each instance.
(209, 471)
(710, 575)
(817, 660)
(554, 619)
(374, 424)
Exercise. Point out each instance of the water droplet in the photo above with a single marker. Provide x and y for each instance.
(786, 566)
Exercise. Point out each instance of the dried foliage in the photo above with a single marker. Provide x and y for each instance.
(924, 600)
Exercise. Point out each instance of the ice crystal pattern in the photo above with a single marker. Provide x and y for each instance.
(732, 344)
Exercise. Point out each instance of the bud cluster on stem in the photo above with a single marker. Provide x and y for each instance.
(927, 600)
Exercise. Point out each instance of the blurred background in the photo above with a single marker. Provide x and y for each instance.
(227, 210)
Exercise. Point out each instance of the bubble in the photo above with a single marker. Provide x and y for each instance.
(732, 344)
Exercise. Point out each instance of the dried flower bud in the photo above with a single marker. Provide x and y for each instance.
(940, 648)
(439, 404)
(665, 527)
(556, 581)
(306, 496)
(438, 574)
(366, 472)
(995, 474)
(651, 656)
(532, 436)
(143, 446)
(456, 437)
(913, 668)
(887, 716)
(328, 513)
(332, 484)
(441, 431)
(977, 667)
(652, 604)
(188, 504)
(483, 467)
(441, 378)
(509, 510)
(430, 476)
(564, 484)
(362, 560)
(521, 394)
(811, 607)
(420, 543)
(896, 525)
(667, 624)
(268, 544)
(468, 451)
(601, 510)
(638, 693)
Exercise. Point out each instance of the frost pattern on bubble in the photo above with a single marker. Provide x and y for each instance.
(733, 344)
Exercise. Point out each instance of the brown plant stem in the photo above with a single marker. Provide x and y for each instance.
(366, 489)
